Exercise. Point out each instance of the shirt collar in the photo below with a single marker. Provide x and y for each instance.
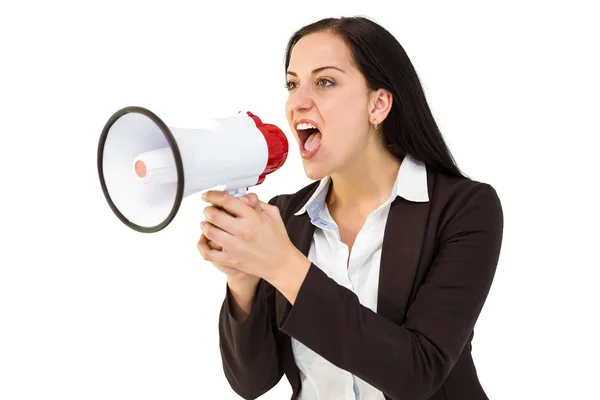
(411, 184)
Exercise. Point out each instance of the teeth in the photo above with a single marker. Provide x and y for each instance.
(305, 125)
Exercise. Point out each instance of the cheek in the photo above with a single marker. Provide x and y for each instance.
(345, 119)
(345, 106)
(289, 115)
(288, 111)
(346, 128)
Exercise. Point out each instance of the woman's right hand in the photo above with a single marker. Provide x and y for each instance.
(234, 276)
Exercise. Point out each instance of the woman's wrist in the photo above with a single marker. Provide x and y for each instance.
(242, 285)
(242, 293)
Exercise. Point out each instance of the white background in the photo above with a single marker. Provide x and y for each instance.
(90, 309)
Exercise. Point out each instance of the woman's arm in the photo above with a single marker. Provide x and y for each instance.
(412, 360)
(247, 341)
(240, 299)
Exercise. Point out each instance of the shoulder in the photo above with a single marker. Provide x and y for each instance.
(450, 190)
(463, 204)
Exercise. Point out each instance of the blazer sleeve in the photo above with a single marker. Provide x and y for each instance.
(249, 349)
(410, 361)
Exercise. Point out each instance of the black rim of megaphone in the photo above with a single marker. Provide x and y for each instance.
(178, 165)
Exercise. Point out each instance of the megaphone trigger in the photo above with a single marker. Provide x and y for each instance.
(237, 192)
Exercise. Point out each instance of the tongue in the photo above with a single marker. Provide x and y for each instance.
(313, 141)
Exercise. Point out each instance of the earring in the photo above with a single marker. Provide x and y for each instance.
(375, 124)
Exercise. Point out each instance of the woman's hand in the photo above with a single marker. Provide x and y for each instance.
(254, 240)
(233, 275)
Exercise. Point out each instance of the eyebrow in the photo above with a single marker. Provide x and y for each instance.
(314, 71)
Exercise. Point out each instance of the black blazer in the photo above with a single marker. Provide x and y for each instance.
(437, 265)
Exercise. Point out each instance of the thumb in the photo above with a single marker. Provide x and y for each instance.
(251, 199)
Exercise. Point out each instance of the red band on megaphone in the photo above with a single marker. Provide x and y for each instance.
(277, 144)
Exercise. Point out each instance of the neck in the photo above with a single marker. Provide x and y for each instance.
(365, 182)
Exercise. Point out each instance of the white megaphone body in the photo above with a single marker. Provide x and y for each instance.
(146, 168)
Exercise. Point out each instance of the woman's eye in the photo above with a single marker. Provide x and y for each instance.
(324, 82)
(290, 85)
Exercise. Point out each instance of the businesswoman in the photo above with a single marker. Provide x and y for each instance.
(367, 283)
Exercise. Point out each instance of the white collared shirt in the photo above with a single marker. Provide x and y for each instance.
(322, 380)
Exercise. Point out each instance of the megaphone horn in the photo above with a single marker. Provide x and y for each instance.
(147, 168)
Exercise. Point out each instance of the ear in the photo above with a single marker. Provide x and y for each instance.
(379, 106)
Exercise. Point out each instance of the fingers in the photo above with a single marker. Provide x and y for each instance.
(231, 204)
(214, 256)
(213, 245)
(226, 219)
(221, 218)
(210, 243)
(215, 234)
(203, 243)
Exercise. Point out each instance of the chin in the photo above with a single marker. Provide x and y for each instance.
(315, 171)
(315, 177)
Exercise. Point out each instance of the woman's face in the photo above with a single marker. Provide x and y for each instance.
(328, 93)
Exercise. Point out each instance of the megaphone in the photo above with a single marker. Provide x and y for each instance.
(147, 168)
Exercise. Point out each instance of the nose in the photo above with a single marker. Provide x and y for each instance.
(300, 100)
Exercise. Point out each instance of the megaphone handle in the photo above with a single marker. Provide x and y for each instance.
(237, 192)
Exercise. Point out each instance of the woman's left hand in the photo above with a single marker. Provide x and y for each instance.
(254, 240)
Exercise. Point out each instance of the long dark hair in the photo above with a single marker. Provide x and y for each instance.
(410, 127)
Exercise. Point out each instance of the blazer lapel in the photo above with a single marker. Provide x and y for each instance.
(300, 231)
(401, 253)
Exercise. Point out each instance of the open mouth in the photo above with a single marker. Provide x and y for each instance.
(309, 137)
(305, 134)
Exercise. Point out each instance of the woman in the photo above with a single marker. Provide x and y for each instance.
(367, 283)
